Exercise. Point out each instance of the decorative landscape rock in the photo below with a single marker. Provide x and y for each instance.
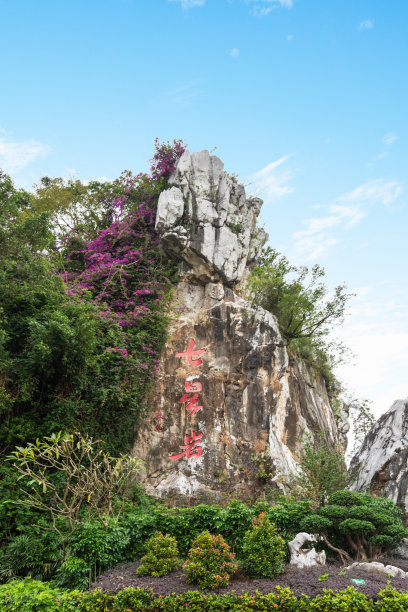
(377, 568)
(381, 465)
(230, 408)
(302, 557)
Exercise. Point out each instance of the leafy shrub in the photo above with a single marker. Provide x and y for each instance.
(29, 596)
(210, 562)
(263, 549)
(390, 600)
(162, 556)
(348, 600)
(74, 573)
(30, 556)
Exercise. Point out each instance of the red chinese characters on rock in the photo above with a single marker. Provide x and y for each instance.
(158, 421)
(191, 449)
(190, 353)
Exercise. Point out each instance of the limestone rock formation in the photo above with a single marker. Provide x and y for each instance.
(381, 464)
(207, 219)
(376, 568)
(230, 407)
(305, 557)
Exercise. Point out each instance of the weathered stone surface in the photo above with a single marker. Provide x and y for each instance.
(381, 464)
(246, 406)
(256, 403)
(377, 569)
(302, 557)
(206, 216)
(401, 550)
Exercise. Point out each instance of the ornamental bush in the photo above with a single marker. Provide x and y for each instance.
(210, 563)
(162, 556)
(263, 550)
(358, 523)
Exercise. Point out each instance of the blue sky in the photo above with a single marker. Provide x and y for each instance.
(304, 99)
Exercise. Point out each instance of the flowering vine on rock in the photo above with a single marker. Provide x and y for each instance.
(123, 272)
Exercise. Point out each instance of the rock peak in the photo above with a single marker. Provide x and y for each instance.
(206, 218)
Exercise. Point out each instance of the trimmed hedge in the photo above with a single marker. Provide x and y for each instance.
(35, 596)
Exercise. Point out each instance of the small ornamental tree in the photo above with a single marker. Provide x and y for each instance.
(210, 563)
(73, 479)
(162, 556)
(367, 525)
(263, 550)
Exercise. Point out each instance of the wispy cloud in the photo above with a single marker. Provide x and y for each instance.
(187, 4)
(272, 181)
(261, 8)
(183, 95)
(349, 209)
(233, 52)
(367, 24)
(14, 156)
(389, 139)
(374, 192)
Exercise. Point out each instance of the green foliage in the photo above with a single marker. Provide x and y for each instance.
(346, 498)
(362, 419)
(361, 523)
(322, 471)
(30, 555)
(333, 512)
(355, 526)
(162, 556)
(72, 478)
(263, 550)
(315, 524)
(210, 564)
(299, 299)
(348, 600)
(70, 203)
(33, 596)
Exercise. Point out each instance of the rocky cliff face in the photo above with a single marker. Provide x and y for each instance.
(381, 465)
(230, 406)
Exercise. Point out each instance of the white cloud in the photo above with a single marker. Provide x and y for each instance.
(233, 52)
(367, 24)
(15, 156)
(261, 8)
(187, 4)
(378, 191)
(290, 37)
(272, 181)
(389, 139)
(347, 211)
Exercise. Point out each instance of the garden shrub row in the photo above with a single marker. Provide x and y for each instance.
(35, 596)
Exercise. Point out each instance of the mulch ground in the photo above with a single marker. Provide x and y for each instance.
(300, 581)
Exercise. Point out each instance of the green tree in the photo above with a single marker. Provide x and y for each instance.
(297, 296)
(72, 478)
(305, 309)
(322, 471)
(72, 204)
(364, 524)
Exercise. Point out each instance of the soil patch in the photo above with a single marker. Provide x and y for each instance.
(300, 581)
